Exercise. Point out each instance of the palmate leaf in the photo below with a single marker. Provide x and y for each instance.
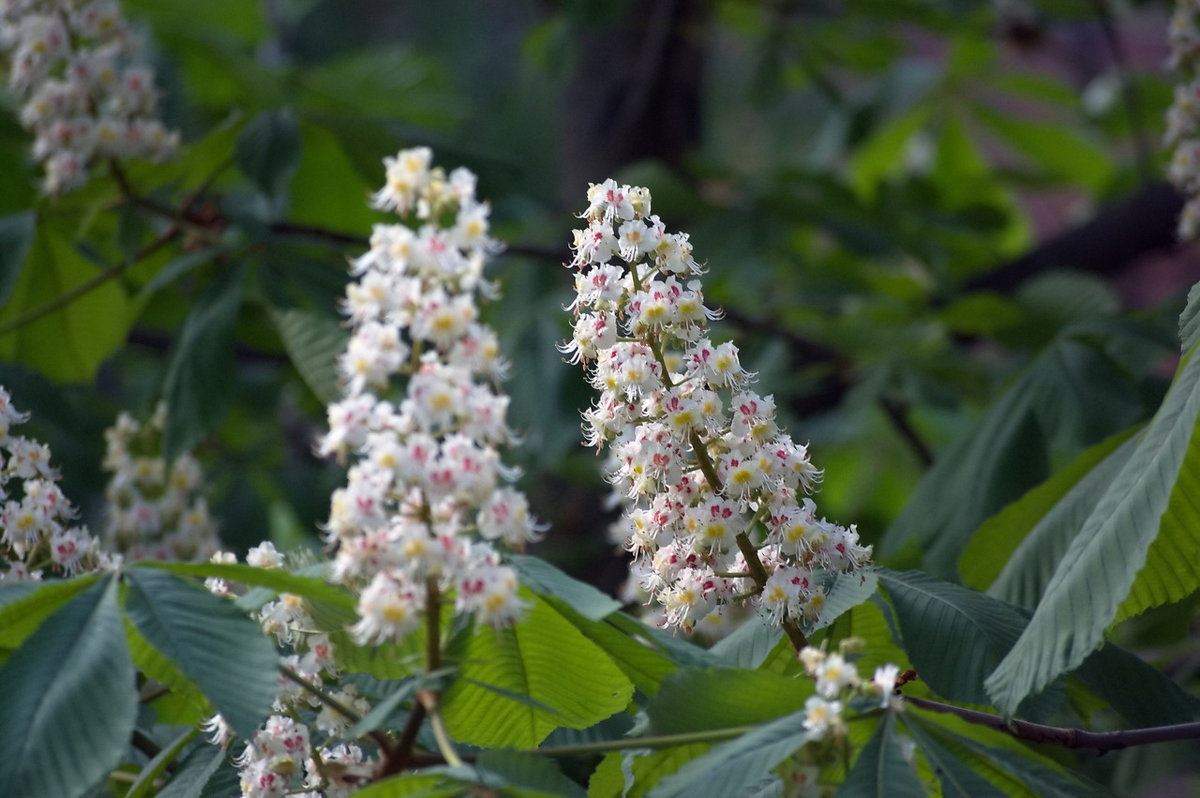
(543, 657)
(67, 700)
(881, 769)
(1139, 548)
(957, 777)
(731, 767)
(210, 640)
(732, 697)
(1014, 554)
(1054, 404)
(954, 636)
(24, 605)
(313, 342)
(632, 774)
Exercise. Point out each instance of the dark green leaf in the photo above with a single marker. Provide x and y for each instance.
(382, 712)
(1139, 548)
(957, 777)
(1014, 554)
(748, 645)
(67, 700)
(268, 150)
(179, 267)
(16, 237)
(731, 767)
(1157, 701)
(881, 769)
(155, 768)
(195, 771)
(197, 389)
(210, 640)
(954, 636)
(525, 772)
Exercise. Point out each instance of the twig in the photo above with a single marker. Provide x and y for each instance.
(1064, 736)
(381, 739)
(896, 414)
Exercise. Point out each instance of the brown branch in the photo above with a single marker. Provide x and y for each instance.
(1064, 736)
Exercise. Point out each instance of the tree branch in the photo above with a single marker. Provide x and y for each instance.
(1064, 736)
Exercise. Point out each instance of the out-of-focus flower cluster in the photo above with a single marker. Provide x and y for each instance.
(425, 497)
(70, 65)
(707, 475)
(35, 516)
(1183, 117)
(300, 746)
(839, 687)
(155, 511)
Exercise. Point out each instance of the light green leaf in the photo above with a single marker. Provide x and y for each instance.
(545, 658)
(731, 767)
(543, 578)
(1138, 549)
(210, 640)
(633, 774)
(732, 697)
(67, 700)
(644, 664)
(1014, 553)
(197, 389)
(70, 343)
(155, 665)
(313, 342)
(24, 605)
(278, 580)
(881, 769)
(954, 636)
(1059, 150)
(882, 155)
(422, 784)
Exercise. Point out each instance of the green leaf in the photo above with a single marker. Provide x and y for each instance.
(155, 768)
(197, 389)
(67, 344)
(881, 769)
(731, 767)
(956, 776)
(422, 784)
(1071, 396)
(954, 636)
(633, 774)
(24, 605)
(749, 645)
(382, 712)
(268, 150)
(1059, 150)
(1138, 549)
(1012, 770)
(313, 342)
(545, 658)
(179, 267)
(525, 772)
(210, 640)
(882, 156)
(1157, 701)
(1014, 553)
(982, 313)
(644, 664)
(67, 700)
(16, 237)
(154, 665)
(278, 580)
(543, 578)
(846, 592)
(196, 770)
(731, 697)
(1189, 320)
(328, 190)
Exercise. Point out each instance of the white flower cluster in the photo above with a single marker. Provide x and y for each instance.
(69, 64)
(426, 484)
(708, 477)
(33, 523)
(155, 511)
(281, 758)
(1183, 117)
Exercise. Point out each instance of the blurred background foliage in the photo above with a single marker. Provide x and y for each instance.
(939, 231)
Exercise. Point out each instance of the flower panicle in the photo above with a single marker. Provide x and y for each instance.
(697, 456)
(427, 497)
(71, 65)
